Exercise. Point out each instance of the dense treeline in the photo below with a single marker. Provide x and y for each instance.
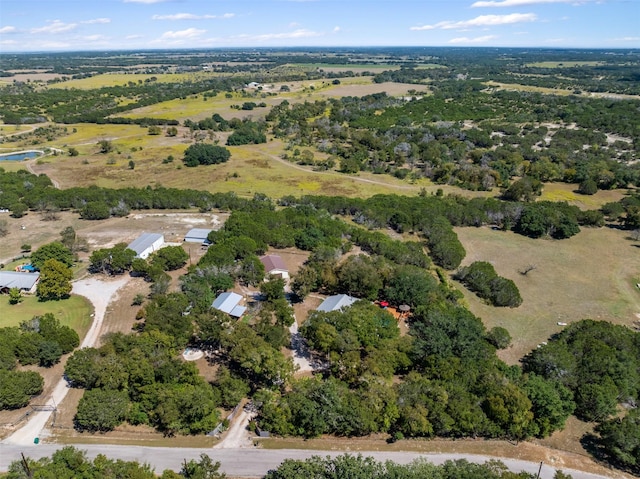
(71, 462)
(359, 467)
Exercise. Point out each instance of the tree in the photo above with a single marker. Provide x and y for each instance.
(4, 228)
(205, 468)
(273, 289)
(524, 189)
(55, 250)
(17, 387)
(204, 154)
(170, 258)
(154, 130)
(588, 187)
(102, 410)
(95, 210)
(55, 281)
(499, 337)
(73, 151)
(112, 261)
(132, 164)
(620, 439)
(172, 131)
(15, 296)
(105, 146)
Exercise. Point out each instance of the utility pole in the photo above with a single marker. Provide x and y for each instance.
(539, 470)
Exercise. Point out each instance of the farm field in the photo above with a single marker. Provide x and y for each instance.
(114, 79)
(570, 281)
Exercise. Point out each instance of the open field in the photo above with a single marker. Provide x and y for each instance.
(114, 79)
(591, 275)
(73, 312)
(568, 192)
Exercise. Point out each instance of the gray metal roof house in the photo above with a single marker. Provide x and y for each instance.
(25, 282)
(336, 303)
(228, 303)
(146, 243)
(197, 235)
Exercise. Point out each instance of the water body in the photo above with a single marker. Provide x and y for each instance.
(21, 155)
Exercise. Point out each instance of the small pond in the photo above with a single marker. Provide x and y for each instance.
(21, 155)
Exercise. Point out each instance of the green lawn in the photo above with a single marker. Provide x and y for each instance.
(74, 312)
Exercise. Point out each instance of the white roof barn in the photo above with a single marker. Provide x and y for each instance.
(197, 235)
(23, 281)
(229, 303)
(336, 303)
(146, 243)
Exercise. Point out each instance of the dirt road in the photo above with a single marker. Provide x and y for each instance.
(100, 292)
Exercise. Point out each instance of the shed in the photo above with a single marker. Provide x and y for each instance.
(229, 303)
(198, 235)
(146, 243)
(25, 282)
(273, 265)
(336, 303)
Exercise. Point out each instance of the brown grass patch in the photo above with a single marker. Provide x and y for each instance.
(591, 275)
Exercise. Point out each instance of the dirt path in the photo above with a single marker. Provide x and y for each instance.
(100, 292)
(237, 436)
(301, 353)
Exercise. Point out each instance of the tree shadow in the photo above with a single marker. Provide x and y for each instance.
(593, 445)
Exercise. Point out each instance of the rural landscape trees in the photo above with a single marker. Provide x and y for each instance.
(515, 143)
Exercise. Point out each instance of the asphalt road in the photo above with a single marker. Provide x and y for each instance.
(243, 462)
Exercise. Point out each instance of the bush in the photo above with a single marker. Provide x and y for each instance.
(204, 154)
(481, 278)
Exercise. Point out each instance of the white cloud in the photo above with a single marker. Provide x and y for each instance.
(336, 29)
(94, 38)
(300, 33)
(8, 29)
(627, 39)
(55, 26)
(182, 34)
(133, 37)
(97, 20)
(8, 42)
(467, 40)
(190, 16)
(481, 21)
(520, 3)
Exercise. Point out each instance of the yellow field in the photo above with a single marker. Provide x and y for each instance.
(114, 79)
(529, 88)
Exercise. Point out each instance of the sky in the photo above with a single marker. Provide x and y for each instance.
(79, 25)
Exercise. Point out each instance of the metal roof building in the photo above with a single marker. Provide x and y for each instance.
(274, 265)
(197, 235)
(23, 281)
(146, 243)
(228, 303)
(336, 303)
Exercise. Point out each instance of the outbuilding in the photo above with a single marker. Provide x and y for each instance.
(229, 303)
(146, 243)
(336, 303)
(198, 235)
(274, 266)
(25, 282)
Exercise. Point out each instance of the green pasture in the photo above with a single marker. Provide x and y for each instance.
(74, 312)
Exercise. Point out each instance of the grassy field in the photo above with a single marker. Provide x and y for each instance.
(529, 88)
(591, 275)
(568, 192)
(113, 79)
(73, 312)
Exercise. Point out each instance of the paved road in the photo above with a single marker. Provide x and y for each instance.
(252, 462)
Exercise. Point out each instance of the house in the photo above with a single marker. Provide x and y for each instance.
(336, 303)
(146, 243)
(229, 303)
(274, 266)
(25, 282)
(198, 235)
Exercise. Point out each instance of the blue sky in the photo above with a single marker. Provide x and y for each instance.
(62, 25)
